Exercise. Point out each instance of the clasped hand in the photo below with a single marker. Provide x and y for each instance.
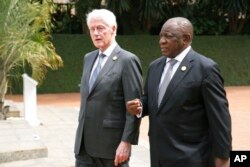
(134, 107)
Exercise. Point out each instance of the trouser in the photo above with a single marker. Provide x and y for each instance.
(83, 159)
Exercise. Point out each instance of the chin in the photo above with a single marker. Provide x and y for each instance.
(164, 54)
(98, 46)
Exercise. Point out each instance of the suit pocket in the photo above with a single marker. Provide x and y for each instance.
(112, 124)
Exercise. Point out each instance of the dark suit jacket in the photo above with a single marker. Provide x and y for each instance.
(193, 117)
(103, 119)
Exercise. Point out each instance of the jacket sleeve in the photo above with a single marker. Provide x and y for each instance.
(132, 86)
(216, 105)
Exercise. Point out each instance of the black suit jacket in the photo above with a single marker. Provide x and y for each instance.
(193, 119)
(103, 119)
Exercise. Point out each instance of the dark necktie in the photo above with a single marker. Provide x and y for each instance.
(96, 71)
(166, 80)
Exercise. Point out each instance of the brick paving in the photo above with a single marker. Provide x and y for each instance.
(239, 105)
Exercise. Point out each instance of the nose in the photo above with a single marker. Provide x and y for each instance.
(95, 31)
(162, 40)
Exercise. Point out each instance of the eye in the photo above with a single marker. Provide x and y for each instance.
(168, 36)
(100, 28)
(97, 28)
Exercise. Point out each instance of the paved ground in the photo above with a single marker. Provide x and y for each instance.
(58, 113)
(58, 116)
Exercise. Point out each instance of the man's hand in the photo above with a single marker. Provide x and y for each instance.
(134, 107)
(122, 153)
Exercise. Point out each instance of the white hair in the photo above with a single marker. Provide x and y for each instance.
(102, 14)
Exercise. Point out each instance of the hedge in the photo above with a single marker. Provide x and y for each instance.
(232, 53)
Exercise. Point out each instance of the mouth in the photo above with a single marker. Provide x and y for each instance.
(164, 49)
(98, 39)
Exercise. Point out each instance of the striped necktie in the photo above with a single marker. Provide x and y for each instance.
(166, 80)
(96, 71)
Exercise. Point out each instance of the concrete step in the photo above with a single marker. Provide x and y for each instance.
(18, 141)
(13, 111)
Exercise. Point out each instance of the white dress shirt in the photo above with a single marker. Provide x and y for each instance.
(107, 52)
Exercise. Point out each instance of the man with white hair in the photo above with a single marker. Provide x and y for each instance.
(111, 77)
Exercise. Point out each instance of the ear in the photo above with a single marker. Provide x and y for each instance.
(187, 38)
(114, 28)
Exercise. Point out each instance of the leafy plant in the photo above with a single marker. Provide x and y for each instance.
(25, 27)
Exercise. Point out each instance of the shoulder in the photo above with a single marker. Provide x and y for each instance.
(126, 55)
(201, 60)
(204, 64)
(156, 62)
(89, 54)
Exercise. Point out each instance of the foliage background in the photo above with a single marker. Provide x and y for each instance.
(232, 53)
(209, 17)
(25, 28)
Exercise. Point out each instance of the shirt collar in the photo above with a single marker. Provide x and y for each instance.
(110, 49)
(182, 55)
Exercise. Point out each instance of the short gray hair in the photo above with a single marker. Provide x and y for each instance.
(105, 15)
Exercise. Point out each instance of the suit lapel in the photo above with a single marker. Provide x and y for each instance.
(179, 75)
(157, 78)
(153, 80)
(108, 65)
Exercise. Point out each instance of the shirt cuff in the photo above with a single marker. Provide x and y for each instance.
(140, 114)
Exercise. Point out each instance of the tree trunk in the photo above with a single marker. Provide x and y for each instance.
(236, 24)
(3, 85)
(84, 27)
(3, 90)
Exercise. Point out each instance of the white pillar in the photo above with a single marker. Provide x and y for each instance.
(30, 100)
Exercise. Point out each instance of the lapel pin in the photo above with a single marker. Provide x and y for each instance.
(183, 68)
(114, 58)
